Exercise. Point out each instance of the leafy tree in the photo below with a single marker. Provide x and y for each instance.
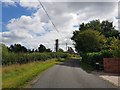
(105, 27)
(42, 48)
(32, 50)
(5, 53)
(88, 41)
(113, 45)
(60, 50)
(29, 51)
(5, 49)
(94, 25)
(36, 50)
(17, 48)
(48, 50)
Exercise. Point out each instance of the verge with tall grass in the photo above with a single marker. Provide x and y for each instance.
(15, 76)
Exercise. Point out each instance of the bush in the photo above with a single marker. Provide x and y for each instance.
(116, 51)
(96, 57)
(12, 58)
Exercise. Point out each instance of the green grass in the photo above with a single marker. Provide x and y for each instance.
(61, 59)
(88, 68)
(15, 76)
(74, 56)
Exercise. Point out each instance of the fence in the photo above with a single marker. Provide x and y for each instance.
(112, 65)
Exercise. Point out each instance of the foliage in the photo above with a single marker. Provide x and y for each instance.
(17, 48)
(113, 44)
(42, 48)
(116, 48)
(116, 52)
(105, 27)
(60, 50)
(96, 40)
(61, 55)
(96, 57)
(88, 41)
(75, 56)
(87, 67)
(48, 50)
(13, 58)
(61, 60)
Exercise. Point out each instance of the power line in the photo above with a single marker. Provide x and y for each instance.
(49, 19)
(48, 15)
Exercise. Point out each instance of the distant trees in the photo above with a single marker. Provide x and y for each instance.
(60, 50)
(9, 57)
(17, 48)
(48, 50)
(42, 48)
(5, 49)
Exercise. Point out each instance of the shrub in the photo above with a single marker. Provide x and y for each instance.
(116, 51)
(96, 57)
(12, 58)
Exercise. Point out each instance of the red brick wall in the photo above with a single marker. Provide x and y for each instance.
(111, 65)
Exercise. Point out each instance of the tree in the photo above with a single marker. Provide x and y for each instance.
(32, 50)
(36, 50)
(70, 50)
(17, 48)
(4, 54)
(88, 41)
(48, 50)
(60, 50)
(42, 48)
(105, 27)
(29, 51)
(5, 49)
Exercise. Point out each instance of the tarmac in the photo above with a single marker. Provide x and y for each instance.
(110, 77)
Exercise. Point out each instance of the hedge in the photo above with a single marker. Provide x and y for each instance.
(13, 58)
(96, 57)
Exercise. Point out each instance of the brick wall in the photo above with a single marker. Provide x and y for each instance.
(111, 65)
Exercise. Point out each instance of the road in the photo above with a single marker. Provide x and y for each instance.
(70, 75)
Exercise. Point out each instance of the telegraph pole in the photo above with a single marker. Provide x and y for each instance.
(56, 45)
(66, 47)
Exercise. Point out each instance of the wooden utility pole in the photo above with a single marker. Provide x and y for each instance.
(56, 45)
(66, 47)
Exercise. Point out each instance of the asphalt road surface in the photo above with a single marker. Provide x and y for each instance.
(70, 75)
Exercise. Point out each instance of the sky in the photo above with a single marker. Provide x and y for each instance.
(26, 23)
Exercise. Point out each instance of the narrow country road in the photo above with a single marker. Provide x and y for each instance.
(70, 75)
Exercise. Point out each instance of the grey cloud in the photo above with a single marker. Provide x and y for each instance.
(91, 9)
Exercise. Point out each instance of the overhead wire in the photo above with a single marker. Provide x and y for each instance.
(48, 15)
(50, 19)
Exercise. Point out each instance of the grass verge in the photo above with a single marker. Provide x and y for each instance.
(15, 76)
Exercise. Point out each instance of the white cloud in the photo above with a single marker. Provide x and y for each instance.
(9, 2)
(37, 29)
(29, 3)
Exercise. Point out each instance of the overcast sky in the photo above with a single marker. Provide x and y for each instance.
(25, 22)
